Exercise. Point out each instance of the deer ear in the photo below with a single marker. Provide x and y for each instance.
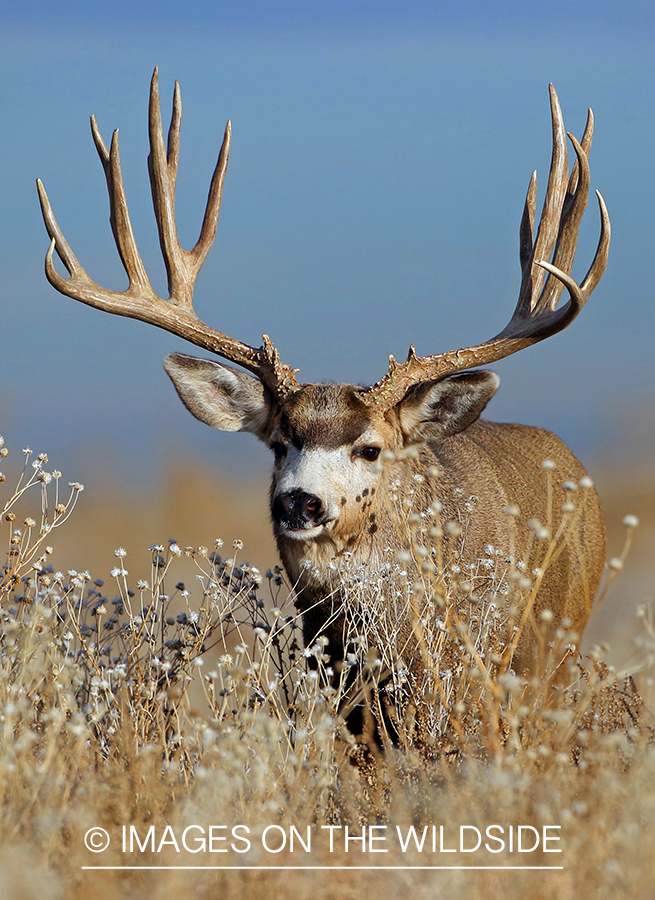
(221, 396)
(437, 409)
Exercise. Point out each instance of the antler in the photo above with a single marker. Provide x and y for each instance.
(139, 301)
(536, 315)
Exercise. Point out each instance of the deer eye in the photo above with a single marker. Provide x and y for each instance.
(279, 450)
(370, 454)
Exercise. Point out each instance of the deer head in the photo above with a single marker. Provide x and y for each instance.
(327, 439)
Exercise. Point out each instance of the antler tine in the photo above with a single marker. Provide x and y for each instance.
(526, 231)
(58, 241)
(173, 143)
(536, 316)
(139, 301)
(119, 216)
(585, 143)
(182, 266)
(579, 294)
(533, 279)
(210, 221)
(575, 204)
(162, 167)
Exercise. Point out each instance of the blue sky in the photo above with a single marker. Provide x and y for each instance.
(380, 159)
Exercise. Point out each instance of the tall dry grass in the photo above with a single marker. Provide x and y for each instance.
(156, 699)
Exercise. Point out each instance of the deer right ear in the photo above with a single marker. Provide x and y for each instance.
(221, 396)
(435, 410)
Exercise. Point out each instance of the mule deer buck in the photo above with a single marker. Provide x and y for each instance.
(363, 473)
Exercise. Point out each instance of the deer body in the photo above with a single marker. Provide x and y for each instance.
(405, 467)
(335, 512)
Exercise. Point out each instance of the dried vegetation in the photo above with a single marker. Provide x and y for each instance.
(143, 703)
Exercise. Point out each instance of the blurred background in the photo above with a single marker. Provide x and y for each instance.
(381, 153)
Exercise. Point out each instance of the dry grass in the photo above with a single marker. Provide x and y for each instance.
(153, 703)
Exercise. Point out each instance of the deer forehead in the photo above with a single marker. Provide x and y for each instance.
(328, 417)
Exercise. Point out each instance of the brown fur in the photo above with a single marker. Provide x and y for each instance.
(499, 464)
(348, 514)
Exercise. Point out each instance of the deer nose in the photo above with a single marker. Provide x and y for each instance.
(297, 509)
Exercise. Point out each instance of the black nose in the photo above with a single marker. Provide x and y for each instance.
(297, 509)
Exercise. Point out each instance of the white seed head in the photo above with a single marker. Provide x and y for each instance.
(549, 465)
(631, 521)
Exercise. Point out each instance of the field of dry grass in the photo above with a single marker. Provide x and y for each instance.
(191, 502)
(174, 698)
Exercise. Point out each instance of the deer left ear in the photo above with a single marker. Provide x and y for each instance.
(222, 396)
(437, 409)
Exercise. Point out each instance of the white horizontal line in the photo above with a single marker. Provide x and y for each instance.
(315, 868)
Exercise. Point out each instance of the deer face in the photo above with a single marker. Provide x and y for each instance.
(326, 440)
(327, 447)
